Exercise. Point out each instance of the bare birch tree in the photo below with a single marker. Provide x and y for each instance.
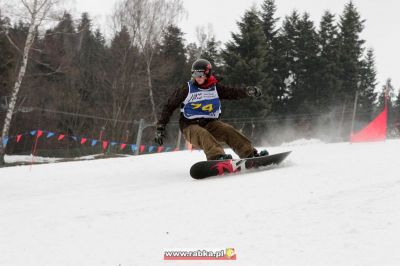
(146, 20)
(36, 12)
(203, 36)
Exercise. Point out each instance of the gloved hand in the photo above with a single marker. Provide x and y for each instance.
(160, 135)
(253, 91)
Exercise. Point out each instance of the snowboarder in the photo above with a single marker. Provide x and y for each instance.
(199, 100)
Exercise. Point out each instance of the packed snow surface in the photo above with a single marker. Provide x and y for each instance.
(328, 204)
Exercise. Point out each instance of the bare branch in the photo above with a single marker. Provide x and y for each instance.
(45, 4)
(27, 7)
(36, 61)
(146, 20)
(12, 43)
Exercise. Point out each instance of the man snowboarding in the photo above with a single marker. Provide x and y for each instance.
(199, 100)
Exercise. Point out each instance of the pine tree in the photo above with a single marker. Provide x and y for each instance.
(329, 69)
(191, 52)
(59, 45)
(288, 37)
(172, 49)
(396, 125)
(91, 60)
(56, 69)
(212, 53)
(269, 20)
(397, 102)
(301, 49)
(386, 96)
(274, 58)
(64, 33)
(351, 50)
(245, 64)
(169, 65)
(307, 93)
(367, 84)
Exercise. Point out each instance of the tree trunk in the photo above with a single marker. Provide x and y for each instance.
(149, 83)
(14, 95)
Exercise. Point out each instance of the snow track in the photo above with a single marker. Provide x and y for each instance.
(328, 204)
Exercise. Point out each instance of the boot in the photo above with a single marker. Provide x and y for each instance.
(261, 153)
(224, 157)
(258, 154)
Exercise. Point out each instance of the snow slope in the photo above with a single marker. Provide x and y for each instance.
(329, 204)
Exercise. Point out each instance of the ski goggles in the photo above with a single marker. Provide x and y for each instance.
(198, 74)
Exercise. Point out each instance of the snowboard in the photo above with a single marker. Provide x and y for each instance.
(206, 169)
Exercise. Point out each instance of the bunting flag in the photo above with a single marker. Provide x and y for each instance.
(105, 144)
(151, 148)
(142, 147)
(82, 140)
(133, 147)
(39, 134)
(5, 141)
(374, 131)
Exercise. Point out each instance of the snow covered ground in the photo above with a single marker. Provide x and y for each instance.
(329, 204)
(29, 159)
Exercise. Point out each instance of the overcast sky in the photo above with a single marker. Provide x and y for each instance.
(381, 27)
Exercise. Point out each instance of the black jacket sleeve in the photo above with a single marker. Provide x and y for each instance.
(174, 101)
(230, 93)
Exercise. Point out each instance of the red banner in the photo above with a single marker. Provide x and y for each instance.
(375, 131)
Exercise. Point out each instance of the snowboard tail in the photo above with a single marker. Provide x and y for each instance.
(206, 169)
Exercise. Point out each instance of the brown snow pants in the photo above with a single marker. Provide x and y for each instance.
(209, 137)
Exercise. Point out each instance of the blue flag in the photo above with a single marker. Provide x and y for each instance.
(133, 147)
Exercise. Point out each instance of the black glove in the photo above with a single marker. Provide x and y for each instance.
(253, 91)
(160, 135)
